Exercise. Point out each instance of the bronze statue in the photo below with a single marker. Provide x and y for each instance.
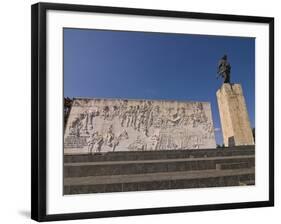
(224, 69)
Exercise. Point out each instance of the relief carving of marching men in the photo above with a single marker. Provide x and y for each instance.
(137, 125)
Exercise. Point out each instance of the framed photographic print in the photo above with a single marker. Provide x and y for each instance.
(139, 111)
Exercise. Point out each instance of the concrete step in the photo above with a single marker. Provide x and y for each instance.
(161, 154)
(84, 169)
(247, 182)
(231, 166)
(159, 181)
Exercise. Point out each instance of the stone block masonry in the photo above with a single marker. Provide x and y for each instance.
(236, 128)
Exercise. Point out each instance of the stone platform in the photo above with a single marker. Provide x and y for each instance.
(156, 170)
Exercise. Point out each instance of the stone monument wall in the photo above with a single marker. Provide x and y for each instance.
(103, 125)
(236, 128)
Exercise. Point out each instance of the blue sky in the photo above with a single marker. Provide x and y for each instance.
(143, 65)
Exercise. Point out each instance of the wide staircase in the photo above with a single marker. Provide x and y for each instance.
(157, 170)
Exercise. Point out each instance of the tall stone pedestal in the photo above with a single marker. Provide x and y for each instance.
(236, 128)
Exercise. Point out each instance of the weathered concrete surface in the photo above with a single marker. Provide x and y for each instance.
(161, 181)
(110, 125)
(156, 170)
(236, 128)
(154, 166)
(153, 155)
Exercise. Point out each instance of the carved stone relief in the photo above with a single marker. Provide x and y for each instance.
(102, 125)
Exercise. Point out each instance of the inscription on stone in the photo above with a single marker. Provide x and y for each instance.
(103, 125)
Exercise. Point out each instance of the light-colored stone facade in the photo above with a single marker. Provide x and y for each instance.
(236, 128)
(103, 125)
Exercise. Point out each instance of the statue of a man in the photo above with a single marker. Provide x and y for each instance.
(224, 69)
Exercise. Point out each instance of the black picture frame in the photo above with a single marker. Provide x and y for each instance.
(39, 114)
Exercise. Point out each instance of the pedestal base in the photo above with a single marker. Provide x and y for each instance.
(236, 128)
